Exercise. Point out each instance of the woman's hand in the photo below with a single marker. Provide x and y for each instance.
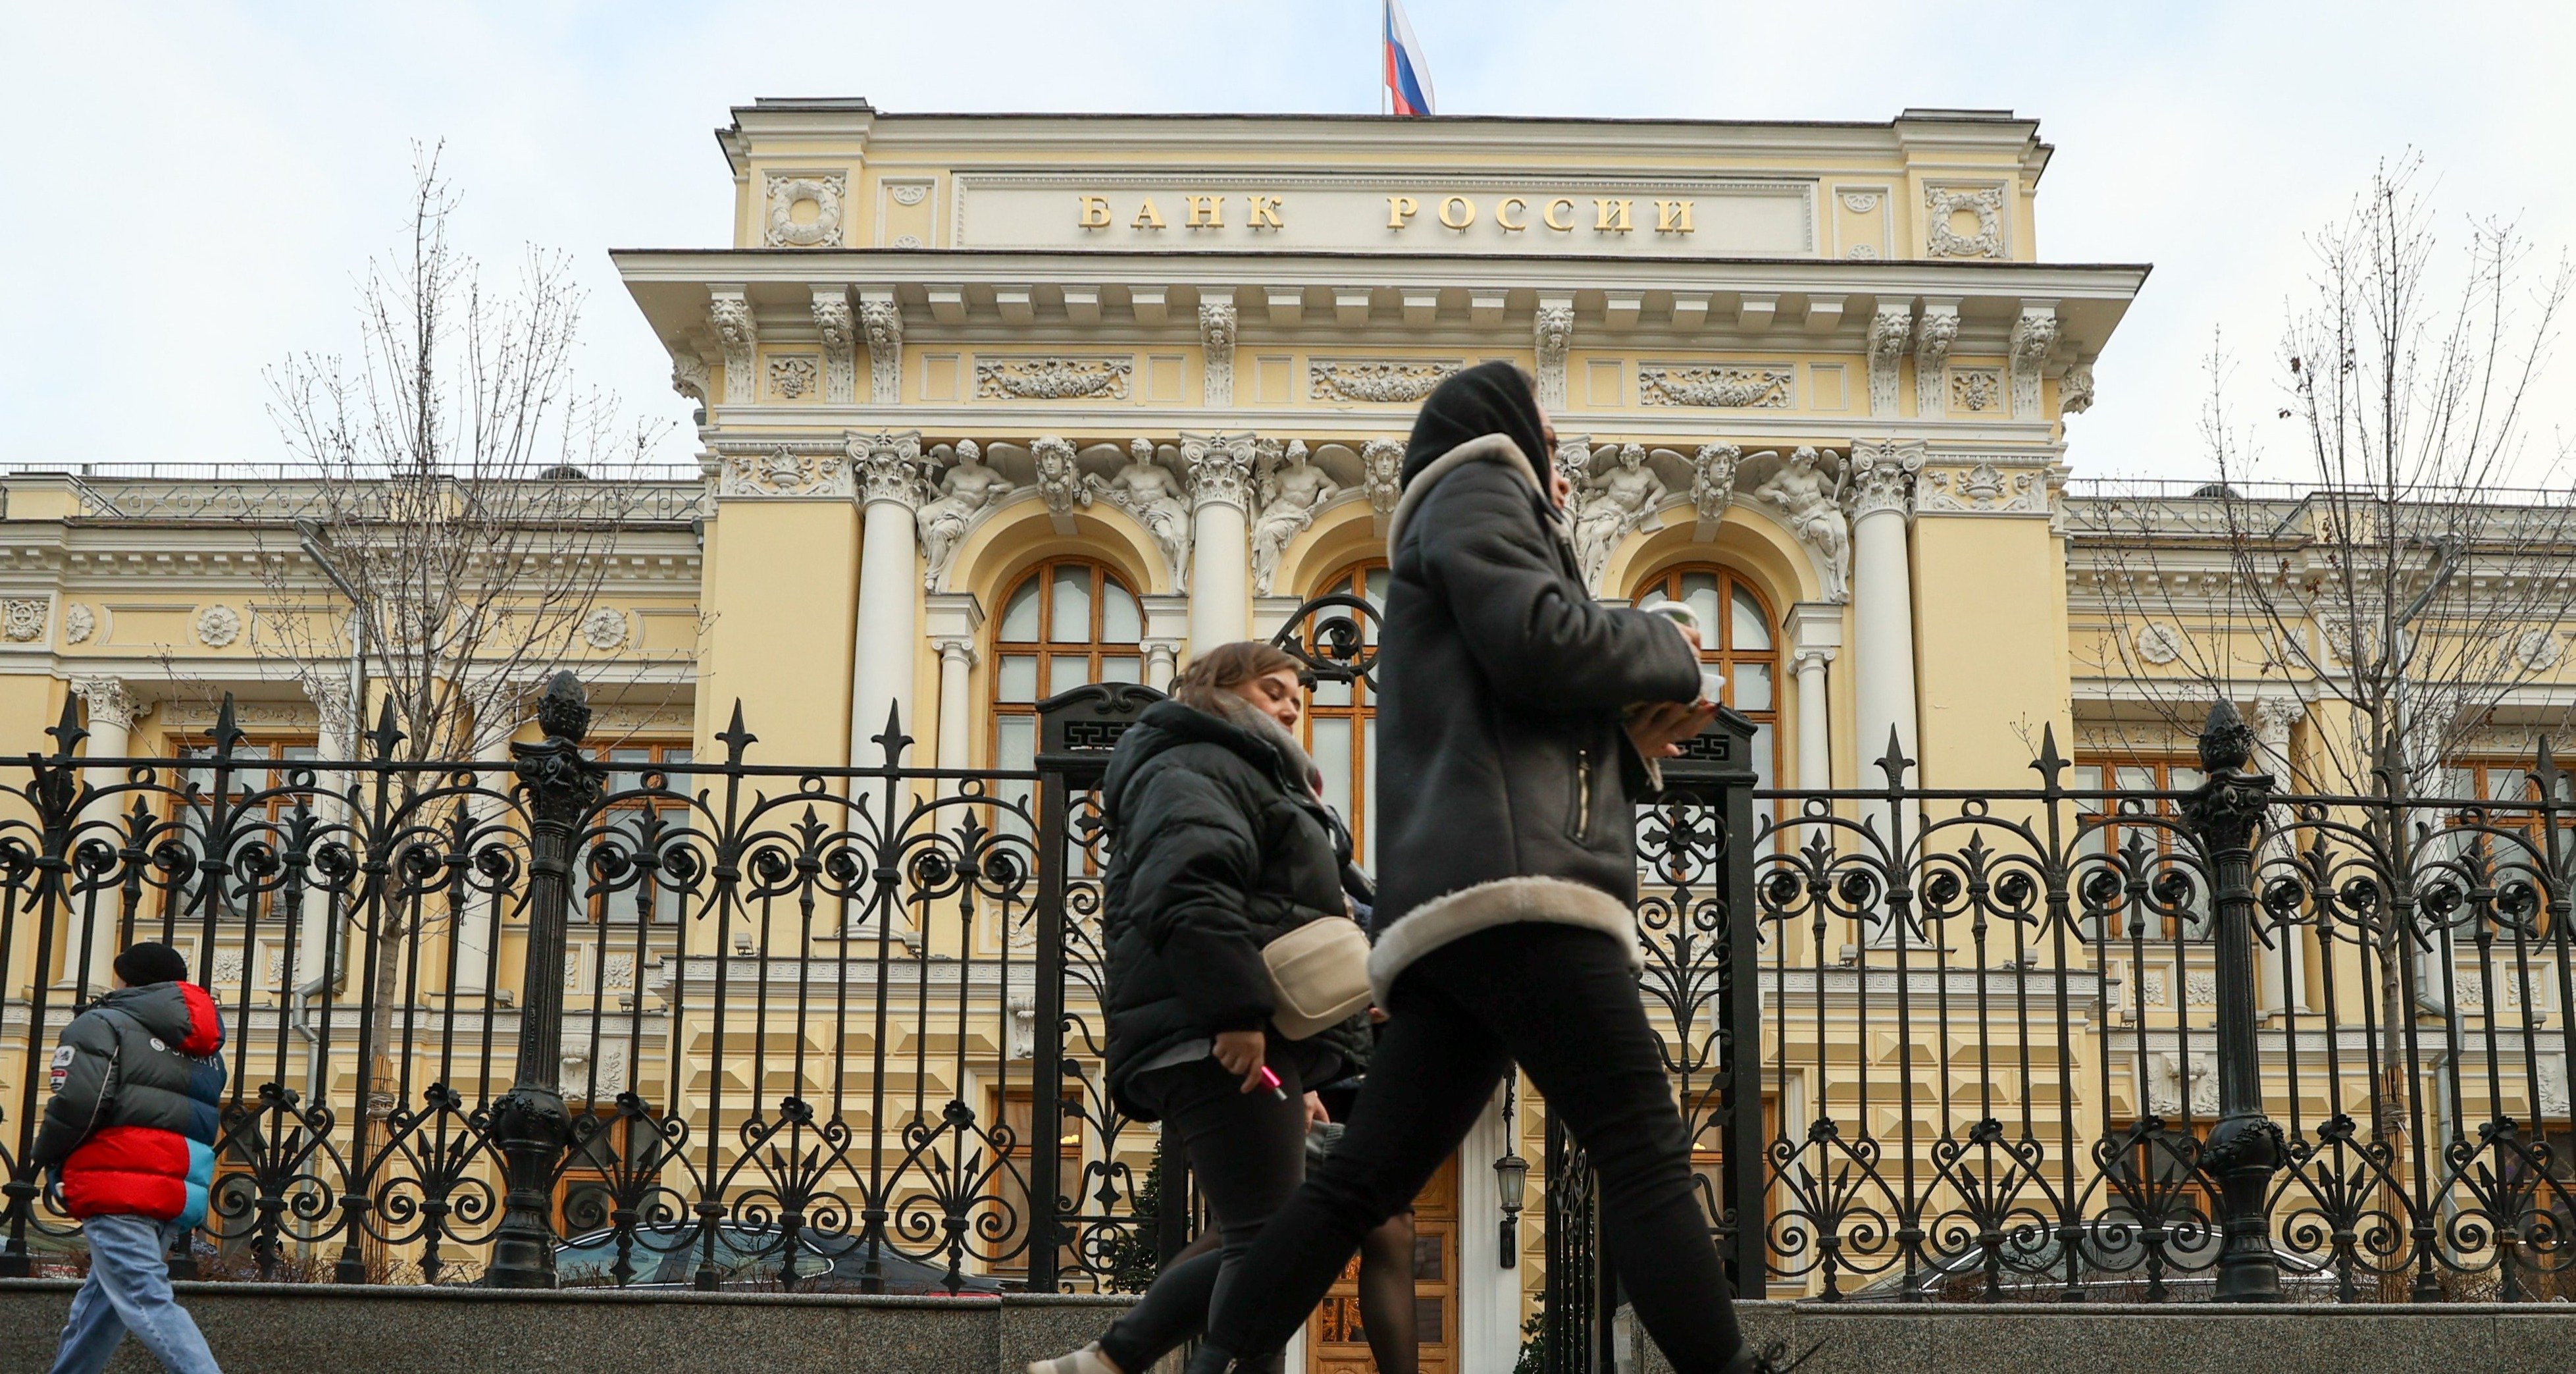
(1315, 1113)
(1659, 729)
(1241, 1052)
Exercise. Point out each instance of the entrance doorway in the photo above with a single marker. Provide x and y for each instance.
(1337, 1343)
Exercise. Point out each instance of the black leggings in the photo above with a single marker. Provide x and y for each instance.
(1387, 1294)
(1247, 1150)
(1561, 1001)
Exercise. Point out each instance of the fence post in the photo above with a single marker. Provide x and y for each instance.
(529, 1122)
(2245, 1146)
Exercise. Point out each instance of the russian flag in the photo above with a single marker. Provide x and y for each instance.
(1408, 77)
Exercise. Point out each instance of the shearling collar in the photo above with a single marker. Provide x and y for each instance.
(1490, 448)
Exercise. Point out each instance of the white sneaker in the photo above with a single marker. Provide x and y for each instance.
(1087, 1360)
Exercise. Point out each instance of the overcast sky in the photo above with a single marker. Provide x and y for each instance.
(189, 189)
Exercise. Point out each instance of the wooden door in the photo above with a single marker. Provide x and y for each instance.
(1335, 1341)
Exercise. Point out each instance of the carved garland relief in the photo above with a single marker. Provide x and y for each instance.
(1053, 379)
(1376, 381)
(1732, 387)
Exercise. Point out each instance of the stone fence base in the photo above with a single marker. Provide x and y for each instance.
(328, 1329)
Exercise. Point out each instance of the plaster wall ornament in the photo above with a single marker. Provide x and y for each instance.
(785, 472)
(1555, 330)
(1983, 489)
(1889, 328)
(882, 322)
(1941, 204)
(2553, 1085)
(2075, 389)
(22, 618)
(217, 626)
(1147, 490)
(2033, 335)
(1735, 387)
(1218, 468)
(228, 967)
(1933, 335)
(729, 314)
(908, 192)
(1809, 501)
(1882, 476)
(2159, 643)
(1860, 202)
(888, 467)
(1342, 380)
(1713, 480)
(1861, 252)
(1612, 504)
(819, 228)
(906, 241)
(1974, 390)
(966, 489)
(604, 628)
(329, 693)
(689, 373)
(794, 376)
(2537, 651)
(1060, 482)
(2273, 717)
(79, 623)
(1053, 379)
(1216, 342)
(1290, 488)
(107, 701)
(1382, 474)
(840, 329)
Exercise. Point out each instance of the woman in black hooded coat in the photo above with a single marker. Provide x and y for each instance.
(1518, 720)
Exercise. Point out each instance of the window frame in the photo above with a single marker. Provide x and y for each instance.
(1093, 649)
(1717, 643)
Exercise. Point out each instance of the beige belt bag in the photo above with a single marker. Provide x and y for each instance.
(1318, 975)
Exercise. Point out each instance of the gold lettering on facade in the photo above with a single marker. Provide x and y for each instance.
(1399, 209)
(1503, 214)
(1613, 215)
(1095, 212)
(1148, 217)
(1466, 212)
(1564, 226)
(1206, 212)
(1265, 212)
(1673, 216)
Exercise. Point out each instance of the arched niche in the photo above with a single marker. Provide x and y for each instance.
(1343, 533)
(1019, 531)
(1746, 539)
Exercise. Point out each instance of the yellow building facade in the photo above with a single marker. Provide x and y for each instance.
(995, 406)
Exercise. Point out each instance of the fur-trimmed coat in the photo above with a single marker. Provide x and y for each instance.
(1506, 780)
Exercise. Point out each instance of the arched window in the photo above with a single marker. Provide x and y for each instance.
(1341, 723)
(1737, 638)
(1069, 621)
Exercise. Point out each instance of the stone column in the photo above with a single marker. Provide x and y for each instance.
(1167, 624)
(956, 663)
(2280, 968)
(1815, 636)
(492, 770)
(1882, 486)
(112, 710)
(888, 471)
(1218, 471)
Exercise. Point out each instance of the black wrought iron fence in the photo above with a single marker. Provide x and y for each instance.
(738, 1022)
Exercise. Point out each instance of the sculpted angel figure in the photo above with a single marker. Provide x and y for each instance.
(966, 488)
(1808, 499)
(1290, 490)
(1149, 492)
(1615, 502)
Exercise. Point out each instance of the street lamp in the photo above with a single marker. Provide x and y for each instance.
(1511, 1175)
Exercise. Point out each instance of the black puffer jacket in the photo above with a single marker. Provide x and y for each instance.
(1219, 846)
(1505, 778)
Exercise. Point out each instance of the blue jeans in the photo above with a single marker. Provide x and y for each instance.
(129, 1290)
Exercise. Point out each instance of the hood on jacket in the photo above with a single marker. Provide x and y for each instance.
(1167, 725)
(1489, 398)
(180, 1014)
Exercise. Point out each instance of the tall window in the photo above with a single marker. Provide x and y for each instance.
(1736, 639)
(1341, 724)
(1068, 622)
(627, 765)
(2143, 773)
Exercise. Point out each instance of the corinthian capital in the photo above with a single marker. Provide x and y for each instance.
(108, 702)
(888, 467)
(1218, 469)
(1882, 476)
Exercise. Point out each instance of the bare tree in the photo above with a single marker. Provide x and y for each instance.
(2412, 583)
(452, 496)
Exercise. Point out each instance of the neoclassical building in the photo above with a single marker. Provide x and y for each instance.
(990, 407)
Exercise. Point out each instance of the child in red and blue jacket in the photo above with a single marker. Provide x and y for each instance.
(130, 1132)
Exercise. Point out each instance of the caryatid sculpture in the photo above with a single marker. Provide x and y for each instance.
(1149, 492)
(1613, 503)
(1809, 502)
(965, 489)
(1290, 488)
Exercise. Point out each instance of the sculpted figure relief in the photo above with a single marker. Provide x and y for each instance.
(965, 489)
(1149, 492)
(1290, 488)
(1613, 503)
(1808, 499)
